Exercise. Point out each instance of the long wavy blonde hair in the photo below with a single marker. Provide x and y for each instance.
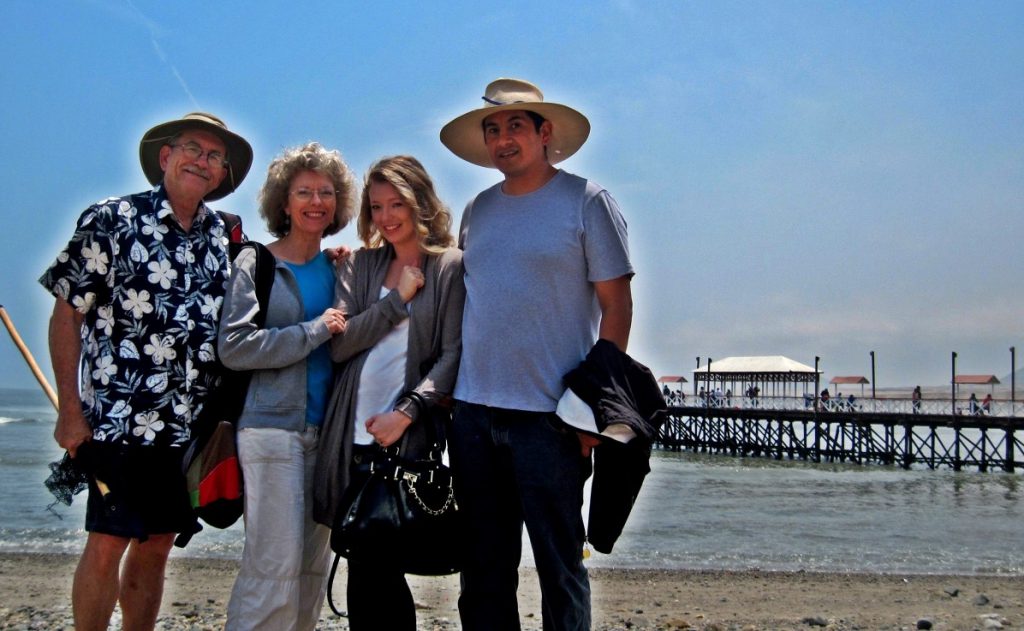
(431, 218)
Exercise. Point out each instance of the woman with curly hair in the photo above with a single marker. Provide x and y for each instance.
(308, 195)
(403, 296)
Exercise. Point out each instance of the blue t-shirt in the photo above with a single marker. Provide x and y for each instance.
(531, 311)
(316, 284)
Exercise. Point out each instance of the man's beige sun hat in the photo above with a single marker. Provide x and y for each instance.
(464, 136)
(238, 148)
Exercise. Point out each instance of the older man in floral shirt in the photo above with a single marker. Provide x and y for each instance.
(138, 293)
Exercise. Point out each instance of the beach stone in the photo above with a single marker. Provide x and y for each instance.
(924, 623)
(992, 621)
(980, 600)
(815, 621)
(952, 592)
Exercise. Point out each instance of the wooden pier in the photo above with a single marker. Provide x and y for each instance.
(984, 443)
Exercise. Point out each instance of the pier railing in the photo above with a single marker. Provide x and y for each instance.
(890, 405)
(956, 441)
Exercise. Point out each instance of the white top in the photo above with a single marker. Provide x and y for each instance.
(382, 378)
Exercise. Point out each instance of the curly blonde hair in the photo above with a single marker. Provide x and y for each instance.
(312, 156)
(431, 218)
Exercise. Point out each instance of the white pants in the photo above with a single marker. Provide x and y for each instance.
(282, 581)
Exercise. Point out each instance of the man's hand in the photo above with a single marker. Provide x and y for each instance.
(587, 443)
(72, 429)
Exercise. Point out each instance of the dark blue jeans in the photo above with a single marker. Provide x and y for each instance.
(514, 467)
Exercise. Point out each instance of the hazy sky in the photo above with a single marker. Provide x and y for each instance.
(799, 178)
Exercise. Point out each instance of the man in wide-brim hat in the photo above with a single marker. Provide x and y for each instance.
(547, 272)
(162, 139)
(137, 298)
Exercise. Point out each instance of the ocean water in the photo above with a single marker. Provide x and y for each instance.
(694, 512)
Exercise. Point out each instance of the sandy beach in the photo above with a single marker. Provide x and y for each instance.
(35, 594)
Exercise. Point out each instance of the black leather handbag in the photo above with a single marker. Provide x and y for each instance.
(404, 513)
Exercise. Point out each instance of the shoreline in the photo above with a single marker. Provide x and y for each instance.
(35, 594)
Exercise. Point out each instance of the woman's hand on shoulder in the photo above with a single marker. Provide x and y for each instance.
(410, 282)
(387, 428)
(335, 321)
(338, 255)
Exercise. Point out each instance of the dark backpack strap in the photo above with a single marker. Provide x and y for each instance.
(233, 225)
(234, 384)
(265, 263)
(264, 277)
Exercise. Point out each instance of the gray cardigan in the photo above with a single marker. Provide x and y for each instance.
(432, 362)
(276, 353)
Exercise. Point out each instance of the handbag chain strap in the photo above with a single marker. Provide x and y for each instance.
(409, 479)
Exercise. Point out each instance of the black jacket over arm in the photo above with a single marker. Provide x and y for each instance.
(619, 390)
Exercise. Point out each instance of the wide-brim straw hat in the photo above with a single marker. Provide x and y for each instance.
(464, 136)
(238, 149)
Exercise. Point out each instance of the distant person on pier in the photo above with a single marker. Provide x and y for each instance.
(973, 403)
(986, 405)
(915, 399)
(825, 396)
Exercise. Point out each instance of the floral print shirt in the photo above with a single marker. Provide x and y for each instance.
(150, 294)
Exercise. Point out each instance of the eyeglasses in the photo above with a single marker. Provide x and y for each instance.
(215, 159)
(306, 194)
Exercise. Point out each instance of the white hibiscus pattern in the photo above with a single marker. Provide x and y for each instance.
(105, 369)
(95, 258)
(137, 303)
(143, 284)
(105, 320)
(161, 273)
(160, 348)
(150, 226)
(147, 424)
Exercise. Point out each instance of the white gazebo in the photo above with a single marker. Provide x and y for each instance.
(772, 374)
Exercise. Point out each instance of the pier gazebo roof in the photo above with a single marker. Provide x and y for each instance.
(977, 380)
(777, 370)
(854, 380)
(849, 380)
(758, 367)
(672, 379)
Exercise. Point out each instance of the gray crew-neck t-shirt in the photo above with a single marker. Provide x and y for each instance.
(531, 312)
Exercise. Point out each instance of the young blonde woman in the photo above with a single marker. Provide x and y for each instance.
(403, 296)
